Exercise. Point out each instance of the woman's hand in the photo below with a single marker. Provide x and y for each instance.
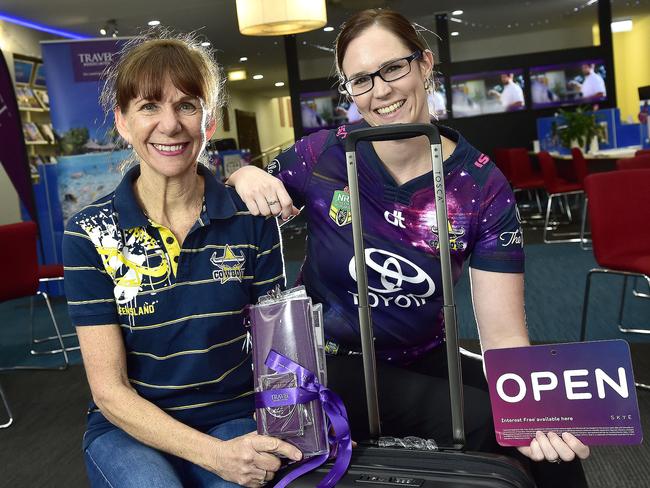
(250, 460)
(553, 448)
(262, 193)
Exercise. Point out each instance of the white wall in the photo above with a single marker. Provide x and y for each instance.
(20, 40)
(267, 115)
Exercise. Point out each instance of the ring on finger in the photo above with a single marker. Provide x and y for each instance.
(557, 460)
(272, 202)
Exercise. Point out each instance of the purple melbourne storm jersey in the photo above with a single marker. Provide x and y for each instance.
(400, 237)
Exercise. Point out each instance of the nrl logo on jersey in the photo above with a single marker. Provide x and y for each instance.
(340, 207)
(230, 266)
(455, 233)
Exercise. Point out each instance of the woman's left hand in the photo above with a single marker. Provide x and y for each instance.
(553, 448)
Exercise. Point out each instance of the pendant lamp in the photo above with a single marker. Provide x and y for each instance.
(280, 17)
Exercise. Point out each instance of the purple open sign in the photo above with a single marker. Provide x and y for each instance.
(584, 388)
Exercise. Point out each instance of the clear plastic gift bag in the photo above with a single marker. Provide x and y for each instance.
(289, 367)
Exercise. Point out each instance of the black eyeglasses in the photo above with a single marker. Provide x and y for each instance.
(391, 72)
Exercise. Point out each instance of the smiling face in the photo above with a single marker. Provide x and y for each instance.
(169, 134)
(400, 101)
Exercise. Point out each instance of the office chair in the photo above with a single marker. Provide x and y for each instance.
(637, 162)
(21, 272)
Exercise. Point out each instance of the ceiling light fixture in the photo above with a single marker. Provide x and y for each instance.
(457, 12)
(205, 43)
(455, 33)
(258, 77)
(279, 83)
(622, 25)
(237, 75)
(153, 23)
(102, 31)
(329, 28)
(243, 59)
(454, 19)
(591, 2)
(282, 17)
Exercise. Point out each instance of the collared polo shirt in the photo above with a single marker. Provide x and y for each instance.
(179, 307)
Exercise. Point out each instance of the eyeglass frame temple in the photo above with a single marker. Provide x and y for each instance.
(410, 58)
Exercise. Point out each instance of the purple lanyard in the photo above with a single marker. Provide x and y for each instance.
(310, 389)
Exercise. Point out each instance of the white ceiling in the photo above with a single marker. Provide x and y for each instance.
(217, 21)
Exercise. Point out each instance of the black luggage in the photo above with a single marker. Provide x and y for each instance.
(373, 466)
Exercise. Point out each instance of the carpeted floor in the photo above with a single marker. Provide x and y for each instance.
(42, 447)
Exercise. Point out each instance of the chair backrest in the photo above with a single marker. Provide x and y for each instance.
(502, 161)
(638, 162)
(642, 152)
(619, 212)
(549, 171)
(521, 168)
(579, 164)
(20, 260)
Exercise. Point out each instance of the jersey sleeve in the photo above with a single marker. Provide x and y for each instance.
(499, 245)
(88, 287)
(269, 265)
(295, 165)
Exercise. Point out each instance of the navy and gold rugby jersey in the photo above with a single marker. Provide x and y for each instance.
(179, 308)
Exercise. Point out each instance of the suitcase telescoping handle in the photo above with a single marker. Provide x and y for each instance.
(386, 133)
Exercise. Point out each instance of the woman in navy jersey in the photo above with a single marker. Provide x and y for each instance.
(157, 275)
(386, 69)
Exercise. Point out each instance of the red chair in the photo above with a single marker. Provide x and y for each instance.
(619, 200)
(556, 187)
(502, 161)
(521, 173)
(637, 162)
(21, 269)
(642, 152)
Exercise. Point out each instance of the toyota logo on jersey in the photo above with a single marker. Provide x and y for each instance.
(402, 282)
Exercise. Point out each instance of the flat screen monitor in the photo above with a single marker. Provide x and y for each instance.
(568, 84)
(326, 110)
(487, 93)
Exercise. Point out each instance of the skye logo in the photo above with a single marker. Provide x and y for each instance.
(395, 218)
(231, 266)
(481, 161)
(402, 282)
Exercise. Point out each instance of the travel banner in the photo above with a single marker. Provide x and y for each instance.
(585, 388)
(90, 146)
(13, 154)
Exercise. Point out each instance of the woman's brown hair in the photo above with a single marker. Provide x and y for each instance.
(388, 19)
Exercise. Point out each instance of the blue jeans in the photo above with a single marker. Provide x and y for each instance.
(117, 460)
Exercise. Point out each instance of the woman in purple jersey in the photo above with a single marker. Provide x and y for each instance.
(386, 69)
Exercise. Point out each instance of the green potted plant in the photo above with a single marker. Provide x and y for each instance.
(579, 128)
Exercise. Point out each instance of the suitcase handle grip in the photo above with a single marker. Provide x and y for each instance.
(391, 133)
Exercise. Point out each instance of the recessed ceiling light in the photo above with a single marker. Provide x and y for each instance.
(258, 77)
(237, 75)
(622, 25)
(454, 19)
(243, 58)
(102, 31)
(457, 12)
(455, 33)
(328, 28)
(205, 44)
(279, 83)
(153, 22)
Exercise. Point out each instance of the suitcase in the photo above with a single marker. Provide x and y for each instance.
(373, 466)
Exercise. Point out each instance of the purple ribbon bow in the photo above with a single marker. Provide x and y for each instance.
(310, 389)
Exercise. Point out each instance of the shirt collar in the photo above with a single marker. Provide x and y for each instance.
(217, 201)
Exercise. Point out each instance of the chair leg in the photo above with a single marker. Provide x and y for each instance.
(585, 306)
(6, 404)
(627, 330)
(549, 207)
(583, 225)
(635, 290)
(63, 349)
(539, 203)
(58, 337)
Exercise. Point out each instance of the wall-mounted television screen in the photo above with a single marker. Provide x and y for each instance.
(437, 99)
(487, 93)
(326, 110)
(568, 84)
